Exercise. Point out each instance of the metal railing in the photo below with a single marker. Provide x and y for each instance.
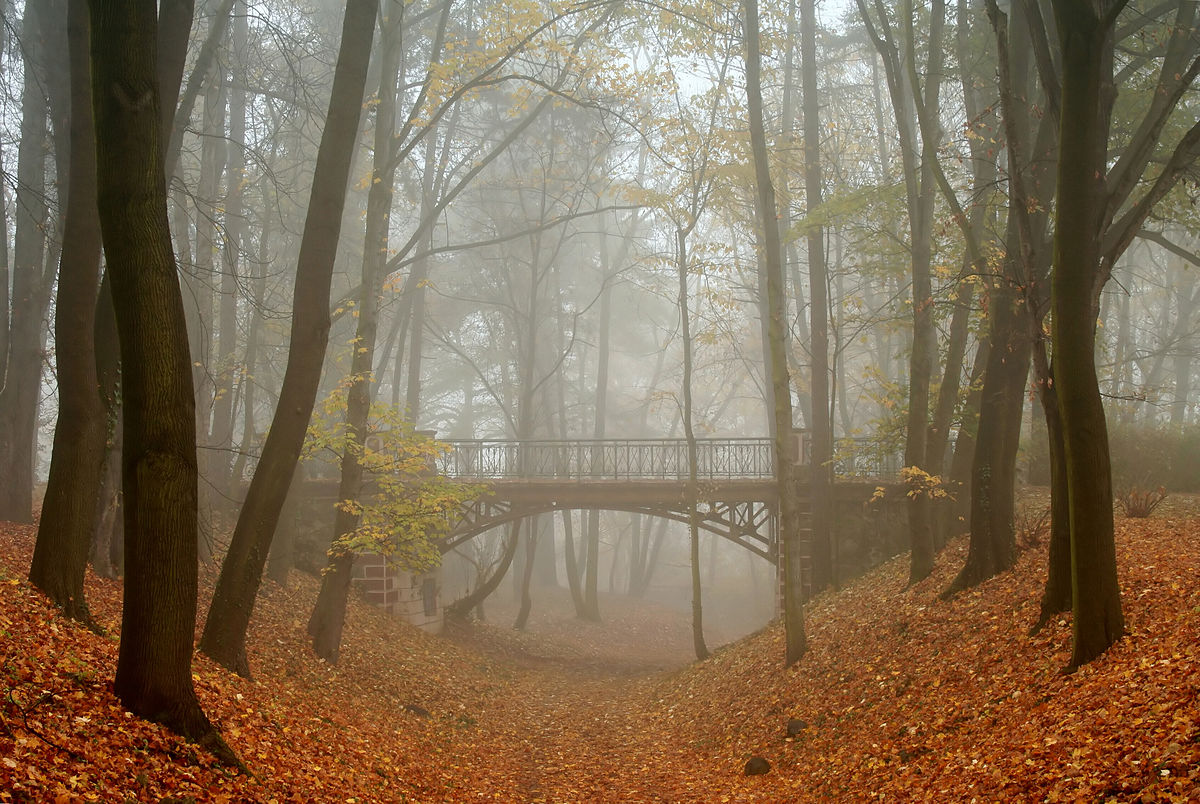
(608, 459)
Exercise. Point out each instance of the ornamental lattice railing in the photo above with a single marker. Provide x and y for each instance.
(608, 459)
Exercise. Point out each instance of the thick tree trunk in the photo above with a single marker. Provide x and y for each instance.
(1098, 621)
(224, 636)
(992, 547)
(153, 677)
(64, 533)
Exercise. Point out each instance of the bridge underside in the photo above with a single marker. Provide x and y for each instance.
(741, 511)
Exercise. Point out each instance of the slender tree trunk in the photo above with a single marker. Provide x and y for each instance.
(958, 514)
(789, 509)
(108, 525)
(281, 557)
(574, 579)
(220, 441)
(64, 534)
(1056, 597)
(689, 434)
(254, 339)
(30, 281)
(329, 613)
(591, 602)
(531, 544)
(821, 470)
(212, 166)
(460, 608)
(1188, 300)
(224, 636)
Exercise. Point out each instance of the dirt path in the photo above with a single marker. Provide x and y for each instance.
(572, 724)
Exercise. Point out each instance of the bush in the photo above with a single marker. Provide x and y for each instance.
(1142, 456)
(1030, 527)
(1138, 504)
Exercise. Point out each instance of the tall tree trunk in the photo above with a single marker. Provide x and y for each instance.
(329, 613)
(574, 579)
(1033, 148)
(591, 602)
(220, 440)
(153, 677)
(992, 547)
(214, 461)
(531, 545)
(254, 338)
(1098, 621)
(64, 533)
(30, 280)
(416, 294)
(821, 470)
(689, 434)
(108, 528)
(1056, 596)
(958, 514)
(920, 190)
(785, 467)
(224, 635)
(1185, 352)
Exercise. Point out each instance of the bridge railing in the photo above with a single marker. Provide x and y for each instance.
(608, 459)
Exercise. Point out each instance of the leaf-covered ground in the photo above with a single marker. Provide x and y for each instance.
(905, 698)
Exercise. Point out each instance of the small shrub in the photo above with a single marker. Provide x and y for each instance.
(1031, 527)
(1138, 504)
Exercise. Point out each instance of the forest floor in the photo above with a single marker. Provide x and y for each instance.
(904, 697)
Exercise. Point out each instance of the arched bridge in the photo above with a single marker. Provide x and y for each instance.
(735, 494)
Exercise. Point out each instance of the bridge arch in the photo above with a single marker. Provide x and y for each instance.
(748, 524)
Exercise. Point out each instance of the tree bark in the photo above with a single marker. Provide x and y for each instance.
(224, 636)
(821, 470)
(689, 434)
(153, 678)
(785, 468)
(531, 545)
(1085, 38)
(329, 613)
(64, 533)
(30, 280)
(920, 190)
(992, 547)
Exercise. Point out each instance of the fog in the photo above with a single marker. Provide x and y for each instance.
(552, 231)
